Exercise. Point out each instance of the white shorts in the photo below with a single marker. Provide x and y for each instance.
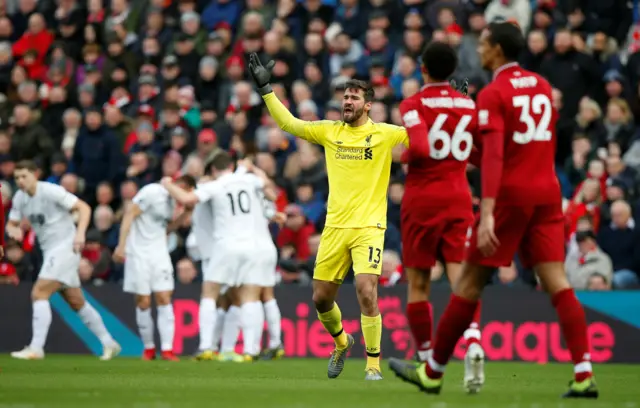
(207, 275)
(264, 268)
(229, 263)
(148, 274)
(61, 265)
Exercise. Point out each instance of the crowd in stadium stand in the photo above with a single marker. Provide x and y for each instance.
(109, 95)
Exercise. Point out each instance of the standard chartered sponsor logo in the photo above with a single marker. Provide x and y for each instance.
(350, 153)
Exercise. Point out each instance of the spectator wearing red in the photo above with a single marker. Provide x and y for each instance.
(391, 269)
(586, 202)
(35, 38)
(145, 114)
(296, 232)
(97, 254)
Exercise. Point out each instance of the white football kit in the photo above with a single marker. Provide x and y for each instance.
(148, 266)
(202, 224)
(49, 213)
(235, 205)
(266, 251)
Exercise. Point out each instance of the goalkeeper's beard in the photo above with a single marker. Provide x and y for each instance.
(352, 116)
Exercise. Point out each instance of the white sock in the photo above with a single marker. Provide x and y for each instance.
(217, 330)
(230, 330)
(259, 325)
(272, 314)
(207, 321)
(92, 319)
(40, 323)
(249, 321)
(166, 326)
(145, 327)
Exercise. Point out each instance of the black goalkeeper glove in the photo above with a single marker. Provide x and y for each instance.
(261, 74)
(463, 89)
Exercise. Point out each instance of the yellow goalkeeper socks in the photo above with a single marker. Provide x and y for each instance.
(332, 321)
(372, 332)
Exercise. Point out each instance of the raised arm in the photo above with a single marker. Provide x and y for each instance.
(311, 131)
(267, 188)
(188, 198)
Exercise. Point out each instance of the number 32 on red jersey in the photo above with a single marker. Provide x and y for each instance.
(538, 105)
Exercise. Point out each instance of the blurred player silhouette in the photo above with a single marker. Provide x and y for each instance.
(521, 211)
(48, 209)
(148, 270)
(235, 204)
(436, 207)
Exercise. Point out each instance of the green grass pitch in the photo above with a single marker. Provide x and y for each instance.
(82, 381)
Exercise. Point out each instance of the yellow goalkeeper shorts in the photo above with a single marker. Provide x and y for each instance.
(342, 247)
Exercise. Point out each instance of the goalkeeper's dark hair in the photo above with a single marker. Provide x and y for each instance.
(358, 85)
(187, 180)
(509, 37)
(439, 60)
(221, 161)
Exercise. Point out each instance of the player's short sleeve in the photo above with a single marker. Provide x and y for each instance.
(16, 207)
(59, 195)
(490, 111)
(147, 196)
(317, 131)
(207, 191)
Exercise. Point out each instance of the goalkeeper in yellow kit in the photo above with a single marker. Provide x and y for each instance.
(358, 156)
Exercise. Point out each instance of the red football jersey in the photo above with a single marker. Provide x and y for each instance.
(441, 124)
(516, 124)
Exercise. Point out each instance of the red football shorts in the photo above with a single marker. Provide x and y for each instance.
(535, 232)
(429, 234)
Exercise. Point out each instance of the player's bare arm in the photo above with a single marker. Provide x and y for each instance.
(188, 198)
(269, 190)
(175, 224)
(14, 231)
(132, 212)
(84, 217)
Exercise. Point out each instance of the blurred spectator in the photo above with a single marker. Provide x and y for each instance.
(293, 239)
(96, 155)
(29, 140)
(621, 242)
(586, 202)
(391, 269)
(186, 271)
(97, 254)
(587, 262)
(507, 275)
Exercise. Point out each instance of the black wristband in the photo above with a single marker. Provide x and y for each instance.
(265, 89)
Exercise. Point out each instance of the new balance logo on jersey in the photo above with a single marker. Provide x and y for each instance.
(367, 140)
(373, 266)
(338, 142)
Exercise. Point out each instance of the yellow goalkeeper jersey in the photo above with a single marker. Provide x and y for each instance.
(358, 164)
